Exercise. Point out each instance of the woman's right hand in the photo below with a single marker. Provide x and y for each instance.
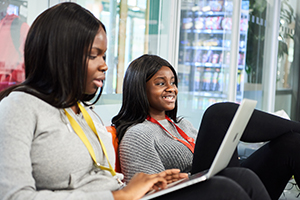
(141, 183)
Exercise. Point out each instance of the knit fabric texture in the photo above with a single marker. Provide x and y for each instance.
(147, 148)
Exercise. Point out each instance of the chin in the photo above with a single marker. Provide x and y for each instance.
(170, 109)
(90, 92)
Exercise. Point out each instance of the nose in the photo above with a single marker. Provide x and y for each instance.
(102, 65)
(171, 88)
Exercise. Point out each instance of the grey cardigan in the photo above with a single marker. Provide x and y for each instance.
(41, 157)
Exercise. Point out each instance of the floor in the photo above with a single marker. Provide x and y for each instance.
(291, 192)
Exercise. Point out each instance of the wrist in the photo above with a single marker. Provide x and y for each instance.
(120, 195)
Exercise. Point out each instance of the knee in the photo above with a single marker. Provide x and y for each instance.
(227, 187)
(223, 183)
(288, 142)
(220, 111)
(241, 174)
(249, 175)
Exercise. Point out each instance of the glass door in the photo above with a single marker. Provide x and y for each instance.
(287, 76)
(262, 51)
(206, 54)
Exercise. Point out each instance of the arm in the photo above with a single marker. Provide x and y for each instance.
(17, 179)
(138, 154)
(18, 123)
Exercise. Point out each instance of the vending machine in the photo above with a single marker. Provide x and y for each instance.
(204, 50)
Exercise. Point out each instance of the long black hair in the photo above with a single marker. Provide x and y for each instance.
(135, 104)
(56, 55)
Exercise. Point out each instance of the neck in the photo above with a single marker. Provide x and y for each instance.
(75, 109)
(158, 117)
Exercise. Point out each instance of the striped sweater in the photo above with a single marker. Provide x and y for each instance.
(147, 148)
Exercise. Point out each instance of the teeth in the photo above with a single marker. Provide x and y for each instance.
(170, 98)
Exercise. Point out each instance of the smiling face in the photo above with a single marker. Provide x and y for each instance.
(161, 93)
(96, 63)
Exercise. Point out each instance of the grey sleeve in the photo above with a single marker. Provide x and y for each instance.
(17, 125)
(138, 154)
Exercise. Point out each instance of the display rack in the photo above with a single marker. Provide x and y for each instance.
(204, 50)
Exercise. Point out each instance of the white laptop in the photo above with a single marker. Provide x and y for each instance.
(224, 154)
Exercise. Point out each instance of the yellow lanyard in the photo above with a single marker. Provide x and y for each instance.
(85, 140)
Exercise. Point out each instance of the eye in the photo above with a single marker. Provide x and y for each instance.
(92, 57)
(160, 84)
(104, 57)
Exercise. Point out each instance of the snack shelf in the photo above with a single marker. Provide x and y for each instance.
(213, 31)
(204, 49)
(211, 48)
(208, 94)
(209, 65)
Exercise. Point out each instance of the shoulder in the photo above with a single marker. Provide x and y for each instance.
(188, 127)
(23, 103)
(141, 133)
(23, 113)
(21, 99)
(185, 122)
(144, 129)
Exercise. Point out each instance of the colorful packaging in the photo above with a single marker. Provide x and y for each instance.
(215, 84)
(188, 56)
(245, 5)
(244, 24)
(207, 58)
(228, 6)
(220, 81)
(215, 58)
(227, 23)
(203, 5)
(216, 5)
(242, 44)
(187, 23)
(214, 42)
(199, 23)
(198, 43)
(207, 78)
(221, 58)
(208, 23)
(198, 56)
(241, 59)
(216, 23)
(197, 76)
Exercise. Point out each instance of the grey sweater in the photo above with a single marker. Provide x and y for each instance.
(147, 148)
(41, 157)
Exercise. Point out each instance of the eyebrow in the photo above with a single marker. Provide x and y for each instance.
(99, 51)
(163, 77)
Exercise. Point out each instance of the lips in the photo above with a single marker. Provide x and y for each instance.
(170, 98)
(98, 81)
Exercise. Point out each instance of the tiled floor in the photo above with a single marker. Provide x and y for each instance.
(291, 192)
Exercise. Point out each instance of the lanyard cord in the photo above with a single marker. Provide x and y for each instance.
(76, 127)
(190, 141)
